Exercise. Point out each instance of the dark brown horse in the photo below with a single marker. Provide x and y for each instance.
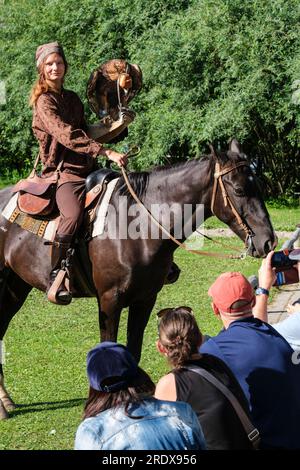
(131, 272)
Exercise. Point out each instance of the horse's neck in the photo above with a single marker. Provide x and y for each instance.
(185, 184)
(183, 195)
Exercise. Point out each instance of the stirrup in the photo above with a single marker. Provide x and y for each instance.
(55, 296)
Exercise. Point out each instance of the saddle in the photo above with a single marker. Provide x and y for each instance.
(99, 191)
(37, 198)
(96, 182)
(36, 195)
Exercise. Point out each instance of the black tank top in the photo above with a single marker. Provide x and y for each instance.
(221, 426)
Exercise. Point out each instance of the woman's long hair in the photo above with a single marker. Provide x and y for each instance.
(41, 86)
(134, 393)
(180, 335)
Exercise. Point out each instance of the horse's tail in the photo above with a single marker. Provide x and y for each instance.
(5, 195)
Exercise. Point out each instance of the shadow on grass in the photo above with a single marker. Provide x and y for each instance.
(22, 409)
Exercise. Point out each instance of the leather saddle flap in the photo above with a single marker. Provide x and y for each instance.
(96, 184)
(36, 189)
(35, 205)
(93, 194)
(35, 185)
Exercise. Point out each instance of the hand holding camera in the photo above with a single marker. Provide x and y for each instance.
(285, 259)
(279, 268)
(287, 266)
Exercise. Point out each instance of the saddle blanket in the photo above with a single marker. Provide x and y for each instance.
(47, 228)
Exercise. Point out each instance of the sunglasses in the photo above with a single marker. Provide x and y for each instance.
(182, 309)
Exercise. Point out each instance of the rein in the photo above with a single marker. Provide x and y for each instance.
(217, 180)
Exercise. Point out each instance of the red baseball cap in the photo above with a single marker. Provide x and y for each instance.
(229, 288)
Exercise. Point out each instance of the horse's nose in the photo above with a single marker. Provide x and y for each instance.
(275, 242)
(270, 244)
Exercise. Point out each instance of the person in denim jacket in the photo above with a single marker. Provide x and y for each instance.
(122, 414)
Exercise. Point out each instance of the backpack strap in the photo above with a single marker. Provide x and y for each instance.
(251, 431)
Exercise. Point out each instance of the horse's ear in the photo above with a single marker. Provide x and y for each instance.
(234, 146)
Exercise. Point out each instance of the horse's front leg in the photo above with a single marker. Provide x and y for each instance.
(109, 315)
(13, 293)
(139, 313)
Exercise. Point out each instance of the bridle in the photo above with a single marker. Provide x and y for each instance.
(218, 181)
(218, 173)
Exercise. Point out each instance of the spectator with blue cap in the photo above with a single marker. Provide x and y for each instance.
(121, 412)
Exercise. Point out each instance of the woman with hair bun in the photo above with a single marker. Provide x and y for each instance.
(179, 341)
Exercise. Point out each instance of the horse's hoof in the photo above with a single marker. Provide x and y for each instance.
(3, 411)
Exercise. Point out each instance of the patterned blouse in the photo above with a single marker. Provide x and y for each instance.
(59, 124)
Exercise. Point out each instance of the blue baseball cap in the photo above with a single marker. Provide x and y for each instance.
(113, 361)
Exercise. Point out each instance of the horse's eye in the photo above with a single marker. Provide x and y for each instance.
(239, 192)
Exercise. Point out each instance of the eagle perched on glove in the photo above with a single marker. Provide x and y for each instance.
(109, 90)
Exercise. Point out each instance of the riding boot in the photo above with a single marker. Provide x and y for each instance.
(61, 265)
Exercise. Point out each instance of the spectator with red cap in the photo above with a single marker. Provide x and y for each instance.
(121, 412)
(259, 356)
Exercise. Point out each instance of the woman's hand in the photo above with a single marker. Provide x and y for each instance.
(119, 158)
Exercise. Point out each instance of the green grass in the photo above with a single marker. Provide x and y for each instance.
(10, 179)
(285, 218)
(46, 346)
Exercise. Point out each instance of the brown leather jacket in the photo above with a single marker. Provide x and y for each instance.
(59, 124)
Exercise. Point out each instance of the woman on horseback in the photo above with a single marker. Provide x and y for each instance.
(60, 127)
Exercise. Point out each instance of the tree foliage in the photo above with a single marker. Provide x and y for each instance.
(212, 69)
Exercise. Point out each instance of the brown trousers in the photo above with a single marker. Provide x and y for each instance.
(70, 199)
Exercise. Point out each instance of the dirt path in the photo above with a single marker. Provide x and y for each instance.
(286, 295)
(226, 232)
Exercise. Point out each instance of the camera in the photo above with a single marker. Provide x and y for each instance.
(286, 271)
(285, 262)
(285, 259)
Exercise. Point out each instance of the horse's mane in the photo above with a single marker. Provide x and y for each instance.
(180, 165)
(139, 180)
